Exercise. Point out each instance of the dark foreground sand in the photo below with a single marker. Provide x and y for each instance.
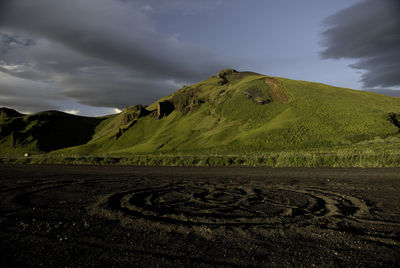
(159, 216)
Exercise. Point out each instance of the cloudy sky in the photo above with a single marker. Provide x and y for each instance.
(93, 57)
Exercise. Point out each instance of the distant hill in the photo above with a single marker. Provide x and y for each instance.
(230, 113)
(43, 132)
(6, 113)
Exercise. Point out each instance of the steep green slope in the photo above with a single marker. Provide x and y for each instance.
(234, 113)
(43, 132)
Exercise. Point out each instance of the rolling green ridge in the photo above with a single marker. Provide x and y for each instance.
(44, 132)
(230, 114)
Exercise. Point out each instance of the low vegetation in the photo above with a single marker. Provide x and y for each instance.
(233, 118)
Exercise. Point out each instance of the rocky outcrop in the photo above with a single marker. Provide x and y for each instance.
(394, 118)
(133, 113)
(257, 96)
(225, 72)
(164, 108)
(186, 101)
(130, 116)
(223, 75)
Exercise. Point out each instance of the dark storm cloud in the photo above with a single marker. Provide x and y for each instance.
(101, 52)
(25, 95)
(92, 85)
(106, 29)
(369, 32)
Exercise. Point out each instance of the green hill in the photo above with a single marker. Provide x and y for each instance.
(43, 132)
(232, 113)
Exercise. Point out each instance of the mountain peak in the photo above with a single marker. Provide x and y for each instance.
(230, 112)
(226, 72)
(223, 75)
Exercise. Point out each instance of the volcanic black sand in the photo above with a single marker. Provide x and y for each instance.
(164, 216)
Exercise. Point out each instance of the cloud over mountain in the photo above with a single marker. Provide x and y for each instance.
(99, 52)
(368, 32)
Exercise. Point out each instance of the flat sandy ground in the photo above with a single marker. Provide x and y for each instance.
(166, 216)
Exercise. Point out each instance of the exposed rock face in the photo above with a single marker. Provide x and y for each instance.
(133, 113)
(223, 75)
(130, 116)
(164, 108)
(186, 101)
(257, 96)
(225, 72)
(394, 119)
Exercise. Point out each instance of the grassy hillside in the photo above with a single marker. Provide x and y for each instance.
(43, 132)
(232, 113)
(249, 112)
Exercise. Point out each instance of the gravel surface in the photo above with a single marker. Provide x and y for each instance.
(168, 216)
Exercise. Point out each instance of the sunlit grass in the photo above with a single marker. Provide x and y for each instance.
(316, 125)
